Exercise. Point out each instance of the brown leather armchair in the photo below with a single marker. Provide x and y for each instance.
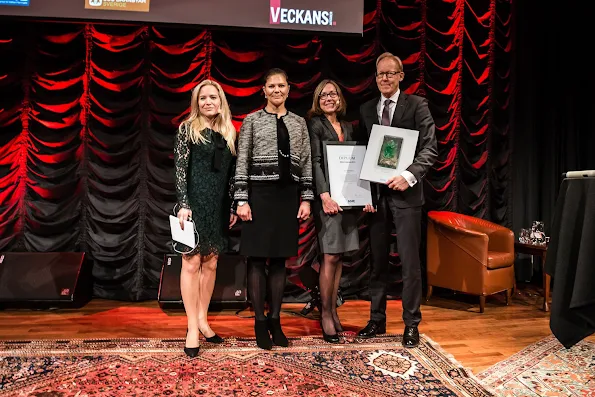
(470, 255)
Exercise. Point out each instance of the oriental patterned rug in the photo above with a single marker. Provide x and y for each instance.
(158, 367)
(545, 368)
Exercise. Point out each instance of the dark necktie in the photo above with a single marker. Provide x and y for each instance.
(385, 121)
(386, 112)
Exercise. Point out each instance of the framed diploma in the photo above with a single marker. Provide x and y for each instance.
(343, 163)
(390, 151)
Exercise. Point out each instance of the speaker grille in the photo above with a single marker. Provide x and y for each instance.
(230, 284)
(47, 276)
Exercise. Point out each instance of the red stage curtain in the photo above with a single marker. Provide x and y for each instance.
(88, 114)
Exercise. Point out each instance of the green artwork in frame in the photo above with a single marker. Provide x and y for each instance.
(390, 152)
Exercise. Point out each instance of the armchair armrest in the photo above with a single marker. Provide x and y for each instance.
(501, 240)
(473, 243)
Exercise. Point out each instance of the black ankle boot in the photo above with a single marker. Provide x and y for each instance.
(279, 337)
(261, 330)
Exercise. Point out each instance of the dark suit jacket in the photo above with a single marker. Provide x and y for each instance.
(411, 112)
(322, 130)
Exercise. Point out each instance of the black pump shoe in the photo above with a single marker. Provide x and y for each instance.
(191, 351)
(329, 338)
(213, 339)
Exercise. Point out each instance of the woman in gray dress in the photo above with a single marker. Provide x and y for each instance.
(336, 228)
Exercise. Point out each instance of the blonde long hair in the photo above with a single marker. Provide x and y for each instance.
(194, 125)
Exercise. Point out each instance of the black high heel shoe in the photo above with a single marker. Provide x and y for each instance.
(213, 339)
(329, 338)
(191, 351)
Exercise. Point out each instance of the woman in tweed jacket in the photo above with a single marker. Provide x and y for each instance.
(273, 172)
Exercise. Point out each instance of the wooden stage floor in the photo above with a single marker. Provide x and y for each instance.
(476, 340)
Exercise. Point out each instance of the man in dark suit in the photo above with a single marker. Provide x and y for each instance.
(401, 198)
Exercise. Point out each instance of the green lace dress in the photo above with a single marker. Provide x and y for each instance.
(204, 175)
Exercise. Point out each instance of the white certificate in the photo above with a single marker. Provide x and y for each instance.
(390, 151)
(343, 162)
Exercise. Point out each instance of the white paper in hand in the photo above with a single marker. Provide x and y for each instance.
(185, 236)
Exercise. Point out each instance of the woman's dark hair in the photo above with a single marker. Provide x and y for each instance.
(273, 72)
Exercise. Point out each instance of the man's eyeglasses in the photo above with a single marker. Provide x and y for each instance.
(389, 75)
(332, 95)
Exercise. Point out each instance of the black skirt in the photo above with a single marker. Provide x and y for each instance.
(274, 229)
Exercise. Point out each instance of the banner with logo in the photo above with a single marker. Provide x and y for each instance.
(300, 16)
(118, 5)
(333, 16)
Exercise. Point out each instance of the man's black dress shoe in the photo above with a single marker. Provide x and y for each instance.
(372, 329)
(410, 337)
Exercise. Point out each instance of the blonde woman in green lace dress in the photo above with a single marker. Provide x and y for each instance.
(204, 158)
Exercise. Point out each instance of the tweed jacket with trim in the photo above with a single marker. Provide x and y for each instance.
(258, 155)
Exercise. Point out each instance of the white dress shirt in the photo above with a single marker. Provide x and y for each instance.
(409, 177)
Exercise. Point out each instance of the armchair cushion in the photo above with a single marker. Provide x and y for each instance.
(498, 260)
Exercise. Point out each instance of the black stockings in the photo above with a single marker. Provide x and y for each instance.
(330, 276)
(257, 285)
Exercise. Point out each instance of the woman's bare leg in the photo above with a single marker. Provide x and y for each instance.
(208, 273)
(190, 289)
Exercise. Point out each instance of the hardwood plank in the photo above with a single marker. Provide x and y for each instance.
(476, 340)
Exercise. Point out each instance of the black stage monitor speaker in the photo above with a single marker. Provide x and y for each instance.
(44, 279)
(230, 285)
